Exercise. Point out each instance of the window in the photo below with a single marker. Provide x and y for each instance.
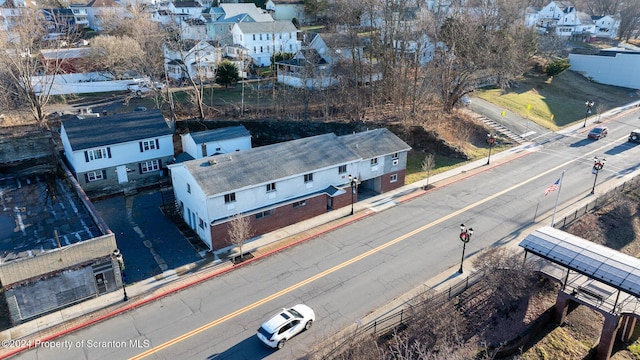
(394, 178)
(201, 223)
(308, 177)
(267, 36)
(264, 214)
(189, 188)
(342, 169)
(149, 166)
(298, 204)
(148, 145)
(374, 161)
(254, 37)
(271, 187)
(230, 198)
(94, 176)
(96, 154)
(394, 156)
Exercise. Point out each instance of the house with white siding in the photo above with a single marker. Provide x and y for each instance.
(281, 184)
(217, 141)
(197, 60)
(264, 39)
(115, 153)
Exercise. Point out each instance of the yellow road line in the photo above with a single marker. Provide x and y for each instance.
(344, 264)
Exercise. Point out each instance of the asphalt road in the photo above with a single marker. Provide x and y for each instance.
(353, 270)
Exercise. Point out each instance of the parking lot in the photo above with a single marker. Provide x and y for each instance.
(149, 241)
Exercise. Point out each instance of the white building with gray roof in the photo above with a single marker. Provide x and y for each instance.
(114, 153)
(281, 184)
(264, 39)
(217, 141)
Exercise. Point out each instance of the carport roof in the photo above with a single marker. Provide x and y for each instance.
(596, 261)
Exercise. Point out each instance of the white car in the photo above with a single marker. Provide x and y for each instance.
(285, 325)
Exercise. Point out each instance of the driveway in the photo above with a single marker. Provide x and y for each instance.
(149, 241)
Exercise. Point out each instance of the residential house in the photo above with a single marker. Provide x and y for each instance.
(281, 184)
(218, 141)
(315, 64)
(606, 26)
(184, 10)
(264, 39)
(10, 14)
(119, 152)
(80, 15)
(197, 60)
(96, 10)
(563, 19)
(60, 20)
(220, 20)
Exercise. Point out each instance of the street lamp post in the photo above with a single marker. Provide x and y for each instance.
(353, 182)
(491, 139)
(117, 255)
(598, 164)
(465, 237)
(588, 105)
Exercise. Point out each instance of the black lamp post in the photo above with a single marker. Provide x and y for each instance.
(465, 237)
(588, 105)
(353, 182)
(598, 164)
(117, 255)
(491, 139)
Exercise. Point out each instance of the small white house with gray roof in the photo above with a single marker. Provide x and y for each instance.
(281, 184)
(118, 152)
(217, 141)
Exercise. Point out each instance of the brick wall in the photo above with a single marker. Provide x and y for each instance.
(387, 185)
(281, 217)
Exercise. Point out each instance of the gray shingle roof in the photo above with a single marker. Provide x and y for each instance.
(219, 134)
(227, 172)
(374, 143)
(267, 27)
(114, 129)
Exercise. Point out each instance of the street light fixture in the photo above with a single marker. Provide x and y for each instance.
(465, 237)
(491, 139)
(588, 105)
(353, 182)
(117, 255)
(598, 164)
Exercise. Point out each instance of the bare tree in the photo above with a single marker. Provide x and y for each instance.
(629, 19)
(428, 163)
(239, 231)
(117, 55)
(21, 82)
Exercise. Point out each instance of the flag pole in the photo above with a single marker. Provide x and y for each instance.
(555, 208)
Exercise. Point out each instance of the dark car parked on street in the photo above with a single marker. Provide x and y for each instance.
(635, 136)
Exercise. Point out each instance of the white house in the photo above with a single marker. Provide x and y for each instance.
(281, 184)
(312, 66)
(118, 152)
(184, 10)
(575, 23)
(218, 141)
(263, 39)
(94, 11)
(606, 26)
(220, 20)
(197, 59)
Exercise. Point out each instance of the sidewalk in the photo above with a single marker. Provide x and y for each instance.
(73, 318)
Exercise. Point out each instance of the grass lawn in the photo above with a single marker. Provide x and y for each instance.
(558, 101)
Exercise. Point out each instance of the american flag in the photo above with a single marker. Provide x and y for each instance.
(552, 188)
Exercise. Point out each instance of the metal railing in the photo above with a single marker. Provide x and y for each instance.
(405, 313)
